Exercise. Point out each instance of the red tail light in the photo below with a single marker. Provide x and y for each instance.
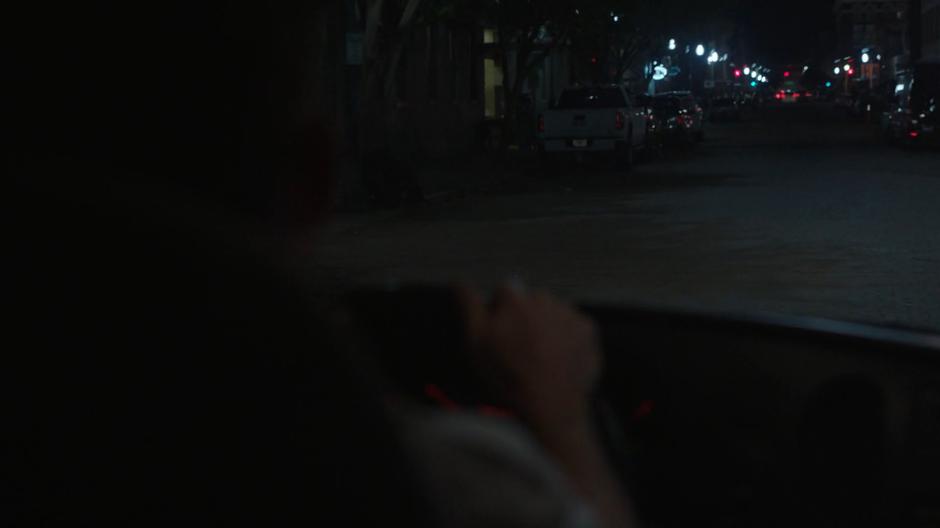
(541, 125)
(619, 121)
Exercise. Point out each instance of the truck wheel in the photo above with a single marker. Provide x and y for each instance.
(653, 149)
(626, 153)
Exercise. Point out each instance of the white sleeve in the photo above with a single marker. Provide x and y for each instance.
(485, 471)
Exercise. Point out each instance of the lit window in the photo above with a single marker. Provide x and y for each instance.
(490, 36)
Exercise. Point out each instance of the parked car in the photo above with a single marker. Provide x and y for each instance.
(725, 109)
(787, 96)
(675, 124)
(655, 129)
(913, 117)
(693, 116)
(597, 120)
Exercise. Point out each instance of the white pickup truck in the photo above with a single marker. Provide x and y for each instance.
(595, 120)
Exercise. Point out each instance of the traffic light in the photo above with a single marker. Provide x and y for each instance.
(737, 73)
(786, 74)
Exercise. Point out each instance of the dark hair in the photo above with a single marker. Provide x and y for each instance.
(166, 372)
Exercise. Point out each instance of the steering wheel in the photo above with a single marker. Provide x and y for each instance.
(418, 336)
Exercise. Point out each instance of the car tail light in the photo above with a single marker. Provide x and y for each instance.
(778, 95)
(914, 133)
(541, 125)
(619, 120)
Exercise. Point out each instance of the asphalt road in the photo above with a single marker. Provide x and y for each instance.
(798, 211)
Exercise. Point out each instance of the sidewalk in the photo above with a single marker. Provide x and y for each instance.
(443, 180)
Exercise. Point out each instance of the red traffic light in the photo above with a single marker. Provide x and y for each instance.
(786, 74)
(851, 71)
(737, 73)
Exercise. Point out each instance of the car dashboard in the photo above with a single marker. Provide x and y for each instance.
(727, 421)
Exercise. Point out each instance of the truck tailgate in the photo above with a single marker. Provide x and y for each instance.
(581, 124)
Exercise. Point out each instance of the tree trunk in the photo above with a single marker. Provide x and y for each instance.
(382, 59)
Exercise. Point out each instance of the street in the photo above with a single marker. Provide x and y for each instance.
(798, 211)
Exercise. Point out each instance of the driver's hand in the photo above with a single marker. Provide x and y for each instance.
(542, 355)
(539, 353)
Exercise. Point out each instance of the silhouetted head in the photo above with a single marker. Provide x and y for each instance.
(167, 372)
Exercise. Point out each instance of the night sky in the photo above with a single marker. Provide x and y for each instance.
(785, 32)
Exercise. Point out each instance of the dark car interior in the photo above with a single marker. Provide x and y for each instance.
(716, 421)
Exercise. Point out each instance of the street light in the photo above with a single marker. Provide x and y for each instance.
(846, 67)
(700, 50)
(753, 74)
(865, 58)
(836, 70)
(713, 57)
(660, 72)
(747, 71)
(672, 44)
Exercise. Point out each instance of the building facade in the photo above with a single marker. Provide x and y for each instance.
(930, 30)
(438, 93)
(874, 24)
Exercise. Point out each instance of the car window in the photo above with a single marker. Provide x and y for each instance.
(925, 88)
(666, 104)
(591, 98)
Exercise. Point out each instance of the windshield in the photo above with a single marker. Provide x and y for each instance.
(591, 98)
(815, 198)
